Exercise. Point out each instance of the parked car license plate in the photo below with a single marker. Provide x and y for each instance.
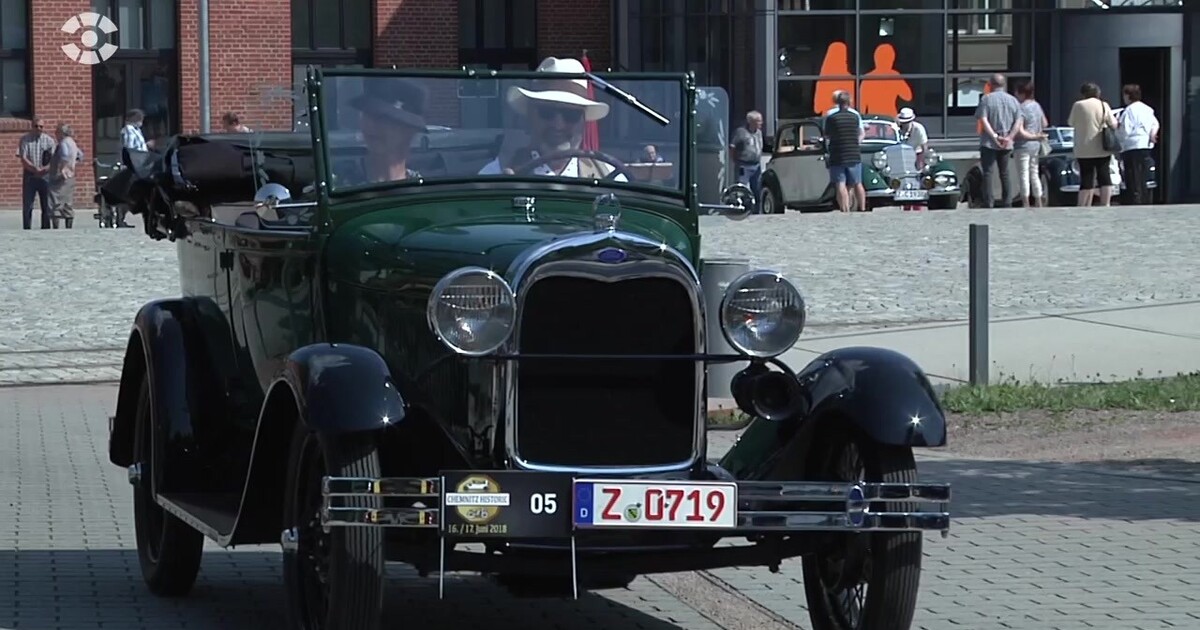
(667, 504)
(912, 195)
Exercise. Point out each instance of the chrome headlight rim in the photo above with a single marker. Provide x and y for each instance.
(738, 285)
(439, 291)
(879, 160)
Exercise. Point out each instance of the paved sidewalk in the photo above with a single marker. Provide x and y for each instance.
(1032, 547)
(1068, 346)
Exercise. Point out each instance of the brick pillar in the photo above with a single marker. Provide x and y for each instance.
(61, 90)
(250, 64)
(567, 27)
(421, 34)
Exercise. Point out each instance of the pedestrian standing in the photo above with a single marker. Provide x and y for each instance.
(1000, 116)
(746, 148)
(844, 135)
(1090, 117)
(62, 176)
(1138, 131)
(1028, 146)
(34, 150)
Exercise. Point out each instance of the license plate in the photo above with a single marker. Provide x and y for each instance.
(655, 504)
(912, 195)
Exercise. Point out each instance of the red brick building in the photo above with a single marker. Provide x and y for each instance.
(256, 56)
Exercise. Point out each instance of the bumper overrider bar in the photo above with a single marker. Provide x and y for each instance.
(507, 505)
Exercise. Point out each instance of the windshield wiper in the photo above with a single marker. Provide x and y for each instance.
(629, 98)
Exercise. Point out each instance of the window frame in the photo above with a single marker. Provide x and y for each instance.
(311, 50)
(22, 55)
(109, 8)
(477, 55)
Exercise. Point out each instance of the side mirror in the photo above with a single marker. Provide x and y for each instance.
(270, 196)
(738, 196)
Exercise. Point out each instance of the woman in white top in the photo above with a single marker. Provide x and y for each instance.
(1137, 130)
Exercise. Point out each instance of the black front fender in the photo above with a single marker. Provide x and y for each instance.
(884, 393)
(342, 388)
(163, 348)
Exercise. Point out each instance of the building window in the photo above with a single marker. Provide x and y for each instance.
(328, 34)
(497, 34)
(141, 24)
(14, 58)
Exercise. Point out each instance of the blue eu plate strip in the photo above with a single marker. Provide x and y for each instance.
(583, 503)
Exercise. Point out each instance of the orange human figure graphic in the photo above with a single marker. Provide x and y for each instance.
(879, 94)
(836, 63)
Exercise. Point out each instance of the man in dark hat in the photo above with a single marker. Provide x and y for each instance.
(392, 112)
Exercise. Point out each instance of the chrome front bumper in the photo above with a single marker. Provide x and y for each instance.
(759, 506)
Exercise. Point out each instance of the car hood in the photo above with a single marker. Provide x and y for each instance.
(387, 248)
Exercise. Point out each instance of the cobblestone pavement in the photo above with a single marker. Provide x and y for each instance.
(75, 292)
(1033, 547)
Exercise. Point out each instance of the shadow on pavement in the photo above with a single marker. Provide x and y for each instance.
(77, 589)
(987, 488)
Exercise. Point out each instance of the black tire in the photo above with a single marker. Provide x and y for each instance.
(169, 550)
(888, 565)
(770, 202)
(351, 559)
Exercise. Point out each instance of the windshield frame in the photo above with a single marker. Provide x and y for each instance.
(329, 195)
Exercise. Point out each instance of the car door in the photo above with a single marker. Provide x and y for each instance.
(808, 176)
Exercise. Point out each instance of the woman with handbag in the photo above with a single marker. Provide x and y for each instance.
(1095, 143)
(1030, 144)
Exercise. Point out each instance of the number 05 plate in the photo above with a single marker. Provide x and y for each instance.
(654, 504)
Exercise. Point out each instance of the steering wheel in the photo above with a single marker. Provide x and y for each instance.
(619, 167)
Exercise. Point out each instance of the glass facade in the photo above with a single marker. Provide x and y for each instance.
(931, 55)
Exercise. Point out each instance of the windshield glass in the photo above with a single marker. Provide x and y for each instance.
(880, 131)
(382, 128)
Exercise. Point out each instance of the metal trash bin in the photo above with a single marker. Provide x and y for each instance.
(716, 274)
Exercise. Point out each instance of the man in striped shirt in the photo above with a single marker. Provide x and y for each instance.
(34, 150)
(843, 140)
(131, 134)
(132, 140)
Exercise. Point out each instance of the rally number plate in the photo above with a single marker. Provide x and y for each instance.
(912, 195)
(655, 504)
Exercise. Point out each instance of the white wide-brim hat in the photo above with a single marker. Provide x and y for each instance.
(570, 92)
(906, 114)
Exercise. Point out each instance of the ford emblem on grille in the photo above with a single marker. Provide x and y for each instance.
(611, 255)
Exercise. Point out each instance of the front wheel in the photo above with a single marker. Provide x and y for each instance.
(770, 203)
(868, 580)
(168, 549)
(332, 580)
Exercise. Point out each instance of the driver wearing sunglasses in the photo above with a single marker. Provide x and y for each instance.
(557, 112)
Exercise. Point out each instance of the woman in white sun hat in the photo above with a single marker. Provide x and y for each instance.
(555, 111)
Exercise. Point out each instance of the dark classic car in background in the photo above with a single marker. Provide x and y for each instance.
(797, 176)
(369, 372)
(1059, 172)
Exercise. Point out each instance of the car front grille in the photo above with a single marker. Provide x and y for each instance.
(611, 412)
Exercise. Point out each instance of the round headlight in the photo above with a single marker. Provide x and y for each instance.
(472, 311)
(1075, 167)
(762, 314)
(879, 161)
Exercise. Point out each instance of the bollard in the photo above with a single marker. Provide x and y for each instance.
(715, 276)
(977, 314)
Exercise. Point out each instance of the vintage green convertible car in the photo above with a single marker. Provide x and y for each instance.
(797, 177)
(386, 347)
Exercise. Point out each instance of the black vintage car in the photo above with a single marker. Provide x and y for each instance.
(384, 349)
(1059, 173)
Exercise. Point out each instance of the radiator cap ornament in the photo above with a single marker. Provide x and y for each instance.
(606, 212)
